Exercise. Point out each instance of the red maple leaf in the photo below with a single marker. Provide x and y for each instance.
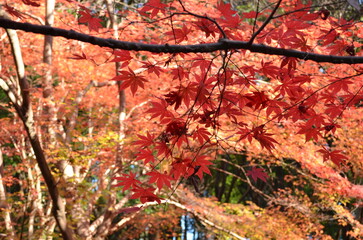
(94, 23)
(269, 69)
(152, 68)
(161, 179)
(159, 109)
(225, 9)
(179, 73)
(189, 92)
(174, 97)
(129, 210)
(13, 11)
(316, 120)
(145, 195)
(290, 62)
(300, 112)
(339, 85)
(335, 156)
(200, 166)
(328, 37)
(203, 63)
(155, 6)
(127, 181)
(179, 140)
(338, 47)
(275, 106)
(306, 15)
(257, 173)
(202, 85)
(310, 132)
(258, 133)
(145, 141)
(289, 87)
(82, 56)
(179, 34)
(230, 110)
(31, 3)
(130, 79)
(180, 167)
(162, 148)
(145, 154)
(293, 39)
(201, 134)
(176, 127)
(122, 56)
(258, 100)
(231, 21)
(207, 26)
(333, 110)
(331, 127)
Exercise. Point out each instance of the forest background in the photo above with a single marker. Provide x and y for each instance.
(208, 119)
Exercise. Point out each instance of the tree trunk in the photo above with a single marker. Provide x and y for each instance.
(4, 208)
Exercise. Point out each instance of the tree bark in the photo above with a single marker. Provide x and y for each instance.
(49, 108)
(222, 44)
(4, 208)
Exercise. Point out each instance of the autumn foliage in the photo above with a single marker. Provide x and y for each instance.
(275, 115)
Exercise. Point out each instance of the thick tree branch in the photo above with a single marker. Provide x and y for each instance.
(223, 44)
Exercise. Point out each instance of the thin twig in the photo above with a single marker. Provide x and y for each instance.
(265, 23)
(204, 17)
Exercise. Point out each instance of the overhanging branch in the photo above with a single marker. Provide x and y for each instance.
(223, 44)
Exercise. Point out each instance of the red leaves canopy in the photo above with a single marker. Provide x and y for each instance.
(210, 96)
(187, 109)
(220, 100)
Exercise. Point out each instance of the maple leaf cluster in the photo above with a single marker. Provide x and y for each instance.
(208, 103)
(215, 95)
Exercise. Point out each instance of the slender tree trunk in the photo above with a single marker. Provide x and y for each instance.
(48, 49)
(185, 226)
(122, 96)
(4, 208)
(104, 227)
(231, 187)
(32, 205)
(49, 108)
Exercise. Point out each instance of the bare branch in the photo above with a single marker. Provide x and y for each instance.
(34, 17)
(204, 17)
(222, 44)
(204, 220)
(134, 108)
(11, 93)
